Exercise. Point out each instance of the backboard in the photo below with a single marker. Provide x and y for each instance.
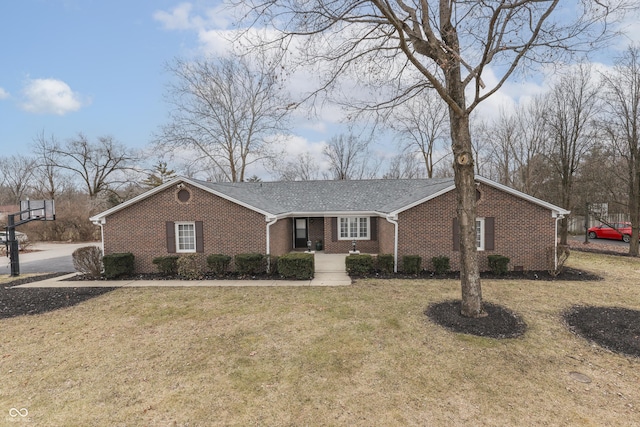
(43, 210)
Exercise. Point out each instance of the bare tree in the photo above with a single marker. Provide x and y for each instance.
(503, 133)
(303, 168)
(570, 114)
(347, 157)
(446, 45)
(406, 166)
(224, 110)
(528, 150)
(100, 166)
(50, 178)
(16, 174)
(622, 123)
(422, 124)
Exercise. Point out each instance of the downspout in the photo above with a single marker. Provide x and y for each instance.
(100, 223)
(555, 244)
(268, 252)
(394, 221)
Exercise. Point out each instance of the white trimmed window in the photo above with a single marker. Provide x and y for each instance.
(354, 228)
(480, 234)
(185, 236)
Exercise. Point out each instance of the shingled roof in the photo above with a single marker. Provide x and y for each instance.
(319, 198)
(378, 195)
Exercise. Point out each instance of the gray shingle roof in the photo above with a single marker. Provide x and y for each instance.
(382, 195)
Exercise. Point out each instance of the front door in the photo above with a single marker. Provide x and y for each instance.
(300, 231)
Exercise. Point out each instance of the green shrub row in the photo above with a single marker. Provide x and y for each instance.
(190, 266)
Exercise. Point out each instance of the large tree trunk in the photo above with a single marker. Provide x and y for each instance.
(466, 190)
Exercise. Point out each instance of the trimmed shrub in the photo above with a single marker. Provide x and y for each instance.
(272, 264)
(498, 264)
(556, 257)
(167, 265)
(218, 263)
(359, 265)
(296, 265)
(116, 265)
(441, 264)
(249, 264)
(385, 263)
(190, 267)
(88, 261)
(412, 264)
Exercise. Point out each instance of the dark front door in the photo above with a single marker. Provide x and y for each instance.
(300, 227)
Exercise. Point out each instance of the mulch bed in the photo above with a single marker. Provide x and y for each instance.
(567, 274)
(498, 323)
(614, 328)
(26, 301)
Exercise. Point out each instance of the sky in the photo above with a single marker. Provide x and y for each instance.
(98, 67)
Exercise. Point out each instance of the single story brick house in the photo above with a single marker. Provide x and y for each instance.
(399, 217)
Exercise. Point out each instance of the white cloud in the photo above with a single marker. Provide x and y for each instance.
(50, 96)
(183, 17)
(4, 94)
(177, 19)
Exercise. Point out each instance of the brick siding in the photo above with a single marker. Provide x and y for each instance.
(281, 237)
(228, 228)
(523, 230)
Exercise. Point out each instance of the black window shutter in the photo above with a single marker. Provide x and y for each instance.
(334, 229)
(171, 237)
(489, 233)
(373, 223)
(199, 237)
(456, 235)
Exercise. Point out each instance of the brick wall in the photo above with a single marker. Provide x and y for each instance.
(523, 230)
(281, 237)
(386, 236)
(228, 228)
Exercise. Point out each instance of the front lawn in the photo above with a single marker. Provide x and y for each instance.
(359, 355)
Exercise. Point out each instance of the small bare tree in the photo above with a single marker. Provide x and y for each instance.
(348, 159)
(16, 174)
(303, 168)
(224, 110)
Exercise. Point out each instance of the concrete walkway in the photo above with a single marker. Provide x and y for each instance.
(329, 271)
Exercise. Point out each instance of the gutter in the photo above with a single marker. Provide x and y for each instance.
(394, 220)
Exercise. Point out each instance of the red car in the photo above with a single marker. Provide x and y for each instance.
(622, 231)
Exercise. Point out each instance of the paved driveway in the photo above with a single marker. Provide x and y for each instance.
(45, 258)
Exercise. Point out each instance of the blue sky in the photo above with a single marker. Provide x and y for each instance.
(88, 66)
(97, 67)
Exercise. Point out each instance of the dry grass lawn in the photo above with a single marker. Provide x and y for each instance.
(359, 356)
